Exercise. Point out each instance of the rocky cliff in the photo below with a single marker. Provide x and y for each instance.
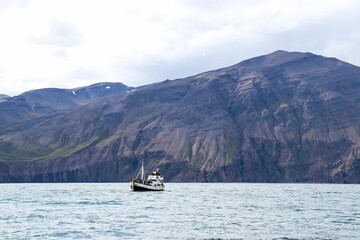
(282, 117)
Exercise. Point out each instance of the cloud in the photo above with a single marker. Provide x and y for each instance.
(61, 34)
(65, 43)
(6, 4)
(86, 74)
(61, 53)
(218, 35)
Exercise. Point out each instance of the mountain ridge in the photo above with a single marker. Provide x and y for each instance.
(43, 102)
(281, 117)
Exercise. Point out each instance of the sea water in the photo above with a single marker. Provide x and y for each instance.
(182, 211)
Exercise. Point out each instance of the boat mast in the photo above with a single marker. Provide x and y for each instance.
(142, 170)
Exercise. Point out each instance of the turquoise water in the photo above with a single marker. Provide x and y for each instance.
(182, 211)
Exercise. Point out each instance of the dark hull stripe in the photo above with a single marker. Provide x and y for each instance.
(138, 188)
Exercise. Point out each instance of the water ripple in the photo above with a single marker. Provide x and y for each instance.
(183, 211)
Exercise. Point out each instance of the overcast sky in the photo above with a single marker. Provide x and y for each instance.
(72, 43)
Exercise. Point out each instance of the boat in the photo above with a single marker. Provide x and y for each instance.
(154, 181)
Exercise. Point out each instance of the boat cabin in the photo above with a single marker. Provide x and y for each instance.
(155, 176)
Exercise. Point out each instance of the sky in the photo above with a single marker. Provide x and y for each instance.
(73, 43)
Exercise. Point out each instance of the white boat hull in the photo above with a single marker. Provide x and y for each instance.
(136, 186)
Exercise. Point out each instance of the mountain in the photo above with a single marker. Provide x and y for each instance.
(281, 117)
(43, 102)
(3, 97)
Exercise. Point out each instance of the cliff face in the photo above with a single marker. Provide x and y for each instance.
(282, 117)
